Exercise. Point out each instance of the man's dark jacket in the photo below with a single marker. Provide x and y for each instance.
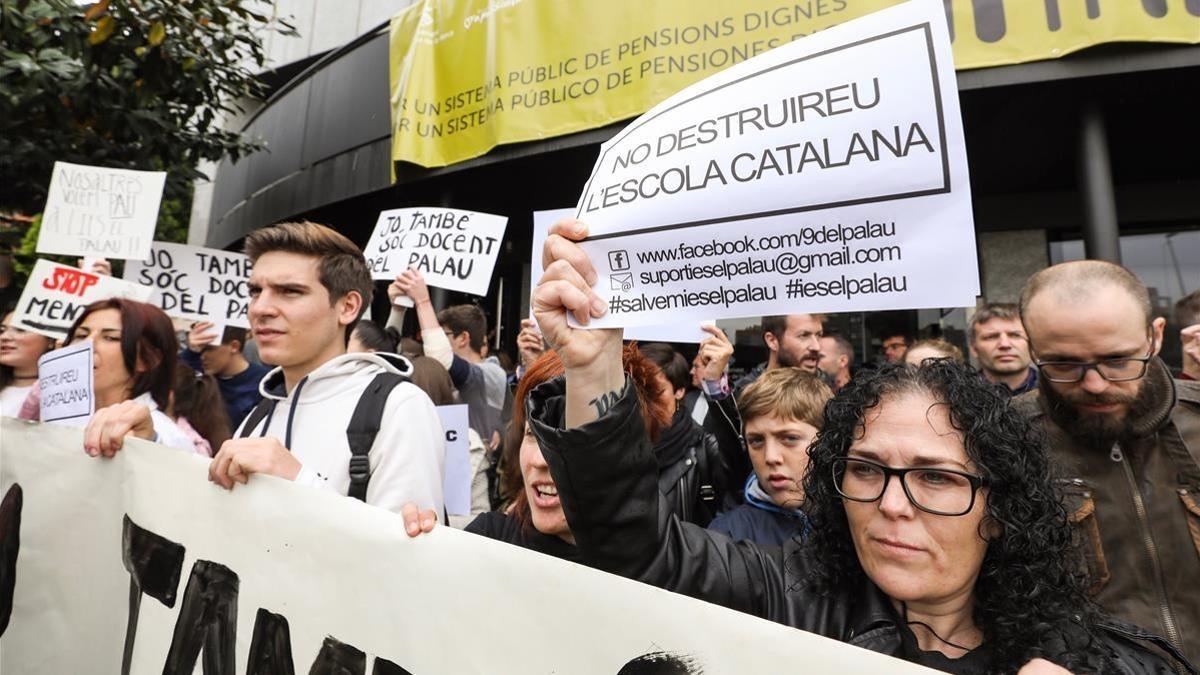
(1135, 504)
(691, 470)
(607, 481)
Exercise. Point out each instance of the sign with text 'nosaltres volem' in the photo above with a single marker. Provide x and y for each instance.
(452, 249)
(196, 283)
(56, 295)
(828, 175)
(100, 212)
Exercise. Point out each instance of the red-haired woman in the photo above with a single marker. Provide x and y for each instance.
(534, 518)
(134, 351)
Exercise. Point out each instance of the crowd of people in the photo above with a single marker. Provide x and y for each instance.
(1045, 512)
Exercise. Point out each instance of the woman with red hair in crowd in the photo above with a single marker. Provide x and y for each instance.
(534, 517)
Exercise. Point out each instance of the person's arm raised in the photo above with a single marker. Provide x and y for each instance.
(591, 358)
(594, 438)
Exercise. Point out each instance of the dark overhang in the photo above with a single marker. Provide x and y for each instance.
(328, 130)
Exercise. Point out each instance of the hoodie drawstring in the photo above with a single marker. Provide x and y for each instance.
(287, 435)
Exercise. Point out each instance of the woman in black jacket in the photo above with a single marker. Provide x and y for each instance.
(938, 534)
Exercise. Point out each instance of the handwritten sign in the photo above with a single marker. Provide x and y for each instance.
(827, 175)
(452, 249)
(195, 283)
(457, 484)
(55, 295)
(65, 383)
(96, 211)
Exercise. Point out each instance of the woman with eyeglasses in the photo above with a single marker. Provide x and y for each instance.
(937, 533)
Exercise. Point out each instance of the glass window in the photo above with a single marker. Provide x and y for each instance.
(1167, 262)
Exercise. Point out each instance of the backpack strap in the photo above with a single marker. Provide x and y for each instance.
(261, 411)
(364, 427)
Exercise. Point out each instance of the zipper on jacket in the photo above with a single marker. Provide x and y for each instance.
(1139, 508)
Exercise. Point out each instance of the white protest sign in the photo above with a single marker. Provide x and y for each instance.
(457, 483)
(140, 559)
(453, 249)
(96, 211)
(684, 331)
(56, 294)
(196, 283)
(826, 175)
(65, 385)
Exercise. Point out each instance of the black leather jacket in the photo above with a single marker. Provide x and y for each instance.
(691, 470)
(607, 481)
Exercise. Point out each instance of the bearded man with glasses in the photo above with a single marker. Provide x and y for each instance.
(1128, 438)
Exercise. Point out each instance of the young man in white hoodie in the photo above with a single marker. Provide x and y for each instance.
(308, 288)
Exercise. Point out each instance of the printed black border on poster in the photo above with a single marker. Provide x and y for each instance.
(92, 393)
(937, 100)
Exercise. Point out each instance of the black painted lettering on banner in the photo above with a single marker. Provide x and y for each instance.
(10, 545)
(154, 564)
(338, 657)
(270, 646)
(207, 619)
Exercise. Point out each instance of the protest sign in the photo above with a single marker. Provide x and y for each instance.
(56, 294)
(65, 385)
(685, 331)
(196, 283)
(827, 175)
(139, 561)
(453, 249)
(457, 483)
(97, 211)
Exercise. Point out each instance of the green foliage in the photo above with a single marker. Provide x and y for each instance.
(135, 84)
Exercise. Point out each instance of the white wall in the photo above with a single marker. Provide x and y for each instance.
(323, 25)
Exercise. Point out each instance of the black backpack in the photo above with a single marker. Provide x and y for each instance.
(360, 432)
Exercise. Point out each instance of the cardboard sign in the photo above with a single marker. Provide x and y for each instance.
(827, 175)
(65, 385)
(196, 283)
(55, 295)
(457, 484)
(452, 249)
(685, 331)
(140, 559)
(95, 211)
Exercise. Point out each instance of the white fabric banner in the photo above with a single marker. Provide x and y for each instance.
(96, 211)
(826, 175)
(56, 295)
(141, 558)
(196, 283)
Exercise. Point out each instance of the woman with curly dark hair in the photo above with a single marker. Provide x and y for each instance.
(938, 535)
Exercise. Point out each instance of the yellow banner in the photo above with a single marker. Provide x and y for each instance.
(468, 75)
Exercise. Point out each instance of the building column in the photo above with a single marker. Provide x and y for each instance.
(1101, 238)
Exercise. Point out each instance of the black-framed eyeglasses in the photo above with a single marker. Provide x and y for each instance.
(1123, 369)
(942, 492)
